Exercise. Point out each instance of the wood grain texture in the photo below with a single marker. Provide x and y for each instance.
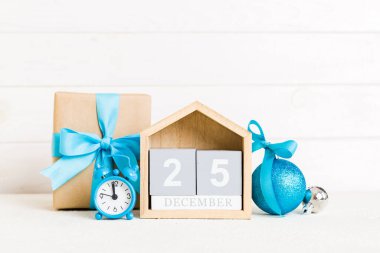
(188, 59)
(188, 16)
(191, 130)
(200, 127)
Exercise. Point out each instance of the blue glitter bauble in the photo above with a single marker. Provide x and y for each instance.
(288, 184)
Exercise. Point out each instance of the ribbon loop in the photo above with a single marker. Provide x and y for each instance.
(74, 143)
(255, 136)
(284, 149)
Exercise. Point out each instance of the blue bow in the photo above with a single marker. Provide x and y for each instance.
(283, 149)
(78, 150)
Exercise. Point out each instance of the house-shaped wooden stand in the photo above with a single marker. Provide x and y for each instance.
(196, 126)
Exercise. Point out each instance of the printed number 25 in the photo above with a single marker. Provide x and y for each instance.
(215, 169)
(177, 168)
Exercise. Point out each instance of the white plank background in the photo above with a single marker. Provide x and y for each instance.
(158, 59)
(189, 16)
(307, 70)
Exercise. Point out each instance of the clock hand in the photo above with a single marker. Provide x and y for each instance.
(113, 189)
(105, 194)
(114, 196)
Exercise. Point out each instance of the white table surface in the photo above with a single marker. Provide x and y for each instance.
(350, 223)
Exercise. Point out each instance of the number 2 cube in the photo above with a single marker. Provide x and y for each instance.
(172, 172)
(219, 172)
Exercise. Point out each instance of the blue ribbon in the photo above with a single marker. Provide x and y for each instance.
(284, 149)
(78, 150)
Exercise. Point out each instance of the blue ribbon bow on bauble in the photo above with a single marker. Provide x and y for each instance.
(78, 150)
(278, 186)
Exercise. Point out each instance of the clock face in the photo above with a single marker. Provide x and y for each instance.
(113, 197)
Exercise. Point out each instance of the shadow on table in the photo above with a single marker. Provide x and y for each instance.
(258, 212)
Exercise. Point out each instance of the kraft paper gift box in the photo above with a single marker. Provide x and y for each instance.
(78, 111)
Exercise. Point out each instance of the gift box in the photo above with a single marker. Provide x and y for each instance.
(90, 117)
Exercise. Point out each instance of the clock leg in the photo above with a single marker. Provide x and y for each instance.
(98, 216)
(129, 216)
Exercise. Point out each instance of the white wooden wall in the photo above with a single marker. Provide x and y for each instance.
(307, 70)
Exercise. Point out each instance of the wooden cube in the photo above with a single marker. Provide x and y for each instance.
(219, 172)
(172, 172)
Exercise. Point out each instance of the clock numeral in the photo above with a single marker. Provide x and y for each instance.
(116, 183)
(128, 195)
(115, 209)
(101, 195)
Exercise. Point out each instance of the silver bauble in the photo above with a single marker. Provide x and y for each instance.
(315, 200)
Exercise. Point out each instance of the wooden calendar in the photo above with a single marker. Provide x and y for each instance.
(195, 164)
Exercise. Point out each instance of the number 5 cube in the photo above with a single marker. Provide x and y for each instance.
(172, 172)
(219, 172)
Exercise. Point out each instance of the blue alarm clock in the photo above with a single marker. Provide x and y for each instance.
(114, 198)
